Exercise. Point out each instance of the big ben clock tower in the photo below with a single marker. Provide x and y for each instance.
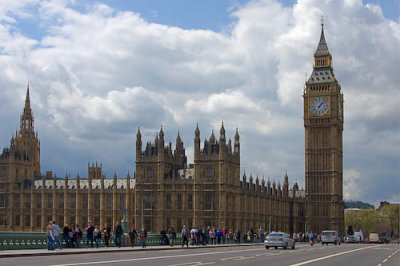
(323, 123)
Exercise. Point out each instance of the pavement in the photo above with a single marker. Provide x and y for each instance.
(72, 251)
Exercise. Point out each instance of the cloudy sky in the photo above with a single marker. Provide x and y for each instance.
(98, 70)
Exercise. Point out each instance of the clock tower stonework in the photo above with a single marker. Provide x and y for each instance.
(323, 123)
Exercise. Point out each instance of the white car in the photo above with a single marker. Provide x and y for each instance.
(359, 237)
(279, 239)
(330, 236)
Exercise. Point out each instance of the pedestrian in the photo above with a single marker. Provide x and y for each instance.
(143, 237)
(193, 236)
(50, 236)
(185, 236)
(107, 233)
(133, 236)
(57, 231)
(212, 236)
(237, 236)
(97, 235)
(172, 235)
(71, 235)
(230, 236)
(118, 234)
(78, 236)
(224, 235)
(89, 234)
(207, 239)
(66, 235)
(203, 236)
(163, 237)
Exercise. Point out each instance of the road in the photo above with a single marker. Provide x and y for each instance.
(347, 254)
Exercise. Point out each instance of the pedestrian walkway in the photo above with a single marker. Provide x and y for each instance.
(71, 251)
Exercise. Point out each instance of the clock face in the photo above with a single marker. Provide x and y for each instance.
(319, 106)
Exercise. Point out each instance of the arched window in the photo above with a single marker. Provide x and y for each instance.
(149, 172)
(210, 172)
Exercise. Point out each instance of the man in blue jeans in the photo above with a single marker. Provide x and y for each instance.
(57, 230)
(89, 234)
(118, 234)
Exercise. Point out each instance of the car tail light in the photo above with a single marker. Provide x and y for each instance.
(280, 239)
(322, 233)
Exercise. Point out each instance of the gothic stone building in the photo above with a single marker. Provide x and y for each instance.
(165, 190)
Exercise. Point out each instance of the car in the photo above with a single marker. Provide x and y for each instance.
(330, 236)
(359, 237)
(350, 239)
(374, 238)
(279, 239)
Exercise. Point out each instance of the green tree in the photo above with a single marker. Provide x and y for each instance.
(391, 214)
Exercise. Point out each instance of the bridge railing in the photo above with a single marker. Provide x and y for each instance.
(29, 240)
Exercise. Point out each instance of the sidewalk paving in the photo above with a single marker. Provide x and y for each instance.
(72, 251)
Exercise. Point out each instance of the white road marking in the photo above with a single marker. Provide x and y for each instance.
(152, 258)
(330, 256)
(385, 260)
(193, 263)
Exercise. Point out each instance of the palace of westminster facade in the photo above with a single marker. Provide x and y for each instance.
(165, 191)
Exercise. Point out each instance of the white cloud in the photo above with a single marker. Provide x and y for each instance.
(97, 74)
(352, 187)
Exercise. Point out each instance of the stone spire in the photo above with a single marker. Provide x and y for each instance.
(212, 137)
(26, 120)
(27, 108)
(322, 49)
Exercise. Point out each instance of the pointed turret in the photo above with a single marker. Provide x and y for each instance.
(27, 108)
(285, 187)
(322, 49)
(138, 144)
(212, 137)
(197, 142)
(26, 120)
(222, 132)
(237, 143)
(323, 71)
(161, 134)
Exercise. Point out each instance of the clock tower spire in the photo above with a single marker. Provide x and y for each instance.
(323, 123)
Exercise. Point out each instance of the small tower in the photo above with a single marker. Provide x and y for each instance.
(237, 143)
(197, 142)
(138, 144)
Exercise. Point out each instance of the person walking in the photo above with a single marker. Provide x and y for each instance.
(118, 234)
(237, 236)
(107, 233)
(172, 235)
(50, 236)
(185, 236)
(66, 235)
(57, 230)
(212, 236)
(89, 234)
(143, 237)
(97, 235)
(78, 236)
(133, 236)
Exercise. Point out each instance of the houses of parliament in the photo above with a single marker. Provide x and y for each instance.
(164, 190)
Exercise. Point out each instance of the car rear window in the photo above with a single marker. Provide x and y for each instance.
(328, 233)
(276, 235)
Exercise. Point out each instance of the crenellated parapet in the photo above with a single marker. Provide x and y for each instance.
(265, 189)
